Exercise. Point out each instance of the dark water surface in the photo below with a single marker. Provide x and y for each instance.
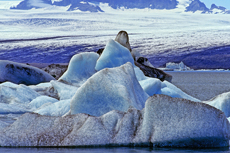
(110, 150)
(203, 85)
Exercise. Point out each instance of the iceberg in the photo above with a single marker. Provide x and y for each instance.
(64, 91)
(154, 86)
(3, 125)
(182, 123)
(177, 67)
(58, 108)
(12, 93)
(164, 122)
(114, 55)
(107, 100)
(22, 74)
(41, 100)
(13, 108)
(107, 90)
(81, 67)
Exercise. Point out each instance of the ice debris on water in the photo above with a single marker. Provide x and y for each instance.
(177, 67)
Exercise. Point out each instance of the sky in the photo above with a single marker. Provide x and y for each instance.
(225, 3)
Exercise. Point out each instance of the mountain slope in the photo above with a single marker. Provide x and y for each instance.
(29, 4)
(94, 5)
(196, 5)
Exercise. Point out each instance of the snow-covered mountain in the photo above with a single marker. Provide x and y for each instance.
(197, 5)
(94, 5)
(218, 9)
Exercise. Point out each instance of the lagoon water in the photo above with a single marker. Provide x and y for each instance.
(111, 150)
(203, 85)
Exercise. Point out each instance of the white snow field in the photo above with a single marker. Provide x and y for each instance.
(48, 32)
(110, 107)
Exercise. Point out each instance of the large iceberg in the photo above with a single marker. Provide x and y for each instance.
(107, 90)
(115, 55)
(165, 122)
(22, 73)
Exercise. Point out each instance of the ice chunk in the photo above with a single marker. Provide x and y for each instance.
(9, 84)
(41, 100)
(13, 108)
(165, 122)
(16, 94)
(174, 122)
(177, 66)
(3, 125)
(22, 73)
(114, 55)
(64, 91)
(109, 89)
(151, 86)
(154, 86)
(221, 102)
(81, 67)
(46, 89)
(59, 108)
(171, 90)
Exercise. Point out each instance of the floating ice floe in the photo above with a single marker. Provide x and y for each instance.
(165, 122)
(22, 73)
(177, 67)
